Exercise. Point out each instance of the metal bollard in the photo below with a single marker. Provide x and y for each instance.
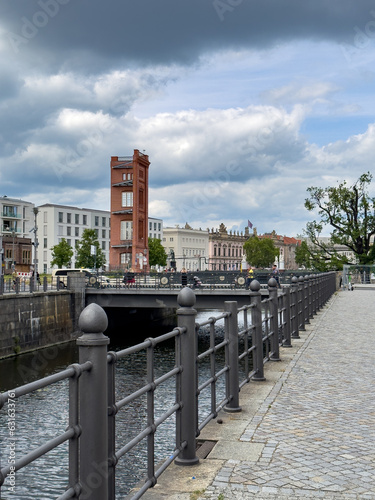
(187, 416)
(231, 354)
(301, 303)
(93, 404)
(257, 336)
(272, 288)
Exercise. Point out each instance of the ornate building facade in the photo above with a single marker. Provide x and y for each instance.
(226, 249)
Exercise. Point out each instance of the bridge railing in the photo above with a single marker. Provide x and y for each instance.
(9, 284)
(174, 280)
(253, 336)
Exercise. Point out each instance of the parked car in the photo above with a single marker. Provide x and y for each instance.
(62, 274)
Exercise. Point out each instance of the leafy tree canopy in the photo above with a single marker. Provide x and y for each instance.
(349, 211)
(260, 252)
(61, 254)
(156, 252)
(84, 254)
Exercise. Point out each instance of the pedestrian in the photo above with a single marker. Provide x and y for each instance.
(250, 277)
(183, 277)
(276, 275)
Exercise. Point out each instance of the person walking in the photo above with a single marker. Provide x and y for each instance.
(276, 275)
(250, 277)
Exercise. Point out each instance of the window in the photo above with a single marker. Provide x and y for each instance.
(44, 230)
(61, 217)
(76, 231)
(103, 221)
(150, 226)
(141, 198)
(96, 232)
(45, 217)
(68, 230)
(103, 233)
(69, 242)
(126, 258)
(76, 218)
(84, 221)
(96, 220)
(159, 226)
(154, 226)
(171, 238)
(69, 218)
(60, 230)
(127, 199)
(45, 243)
(126, 231)
(103, 245)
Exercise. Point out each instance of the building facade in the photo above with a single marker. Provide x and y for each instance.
(287, 247)
(226, 249)
(129, 212)
(56, 222)
(186, 248)
(155, 228)
(16, 224)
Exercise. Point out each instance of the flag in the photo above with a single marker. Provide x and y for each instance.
(249, 224)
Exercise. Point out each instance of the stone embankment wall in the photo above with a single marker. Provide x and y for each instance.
(33, 320)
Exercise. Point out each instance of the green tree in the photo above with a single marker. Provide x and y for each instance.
(84, 254)
(61, 254)
(260, 252)
(320, 257)
(349, 211)
(157, 255)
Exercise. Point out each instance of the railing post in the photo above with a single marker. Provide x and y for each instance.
(294, 298)
(93, 401)
(45, 284)
(1, 283)
(301, 303)
(231, 354)
(187, 416)
(257, 336)
(272, 288)
(112, 411)
(306, 313)
(287, 317)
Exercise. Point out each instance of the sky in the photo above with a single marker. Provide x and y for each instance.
(241, 105)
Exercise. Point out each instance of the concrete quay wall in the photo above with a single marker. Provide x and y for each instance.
(34, 320)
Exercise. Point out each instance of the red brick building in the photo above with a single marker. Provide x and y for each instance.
(129, 212)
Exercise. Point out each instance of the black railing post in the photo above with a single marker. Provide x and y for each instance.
(307, 299)
(287, 317)
(93, 404)
(231, 354)
(1, 283)
(295, 307)
(274, 304)
(301, 303)
(187, 416)
(45, 284)
(257, 335)
(112, 411)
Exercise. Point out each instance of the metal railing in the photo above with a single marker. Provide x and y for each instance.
(94, 453)
(9, 284)
(173, 280)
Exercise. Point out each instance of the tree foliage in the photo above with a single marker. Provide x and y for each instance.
(84, 257)
(62, 254)
(320, 258)
(260, 252)
(349, 211)
(156, 253)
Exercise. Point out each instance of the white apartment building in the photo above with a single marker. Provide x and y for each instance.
(186, 246)
(16, 216)
(155, 228)
(56, 222)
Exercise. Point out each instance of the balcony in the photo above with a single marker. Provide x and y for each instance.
(10, 215)
(9, 230)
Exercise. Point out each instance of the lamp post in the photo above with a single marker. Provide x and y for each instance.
(36, 211)
(13, 259)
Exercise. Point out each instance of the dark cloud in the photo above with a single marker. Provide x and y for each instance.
(165, 31)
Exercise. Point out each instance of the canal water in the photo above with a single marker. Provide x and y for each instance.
(43, 414)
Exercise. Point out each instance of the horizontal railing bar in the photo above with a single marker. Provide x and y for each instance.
(40, 451)
(213, 319)
(167, 375)
(167, 414)
(70, 493)
(44, 382)
(137, 439)
(209, 351)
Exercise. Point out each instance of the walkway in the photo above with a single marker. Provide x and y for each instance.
(308, 431)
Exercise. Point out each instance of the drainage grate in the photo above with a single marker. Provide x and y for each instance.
(204, 448)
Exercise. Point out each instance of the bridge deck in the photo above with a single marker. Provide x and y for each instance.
(308, 431)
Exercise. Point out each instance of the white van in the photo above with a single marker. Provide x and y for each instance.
(62, 274)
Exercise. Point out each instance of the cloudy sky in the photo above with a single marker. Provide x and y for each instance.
(241, 105)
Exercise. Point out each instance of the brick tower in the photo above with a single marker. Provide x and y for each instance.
(129, 212)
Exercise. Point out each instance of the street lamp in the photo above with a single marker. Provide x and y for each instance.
(35, 230)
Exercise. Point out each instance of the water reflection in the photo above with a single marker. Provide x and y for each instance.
(44, 413)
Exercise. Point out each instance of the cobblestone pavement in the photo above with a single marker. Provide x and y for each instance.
(318, 423)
